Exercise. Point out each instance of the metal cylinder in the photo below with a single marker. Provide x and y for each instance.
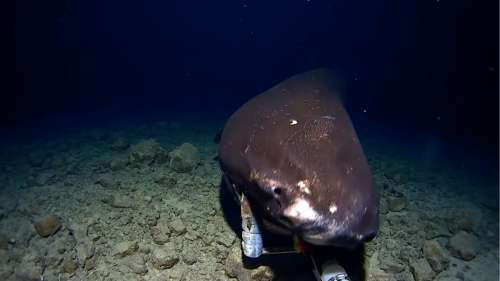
(251, 241)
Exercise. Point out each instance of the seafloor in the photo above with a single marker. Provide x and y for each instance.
(128, 201)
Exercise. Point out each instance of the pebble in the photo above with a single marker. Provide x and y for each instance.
(160, 234)
(4, 256)
(121, 201)
(84, 250)
(107, 181)
(189, 257)
(90, 263)
(436, 255)
(146, 152)
(396, 204)
(45, 178)
(464, 245)
(421, 270)
(28, 272)
(125, 248)
(178, 227)
(225, 238)
(164, 257)
(4, 242)
(184, 158)
(47, 225)
(137, 264)
(118, 163)
(69, 265)
(233, 265)
(466, 219)
(166, 181)
(120, 144)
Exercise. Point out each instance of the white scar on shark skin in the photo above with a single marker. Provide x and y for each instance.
(301, 209)
(304, 186)
(333, 208)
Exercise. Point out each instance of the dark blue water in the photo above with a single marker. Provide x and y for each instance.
(104, 91)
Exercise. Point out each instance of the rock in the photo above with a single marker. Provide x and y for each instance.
(383, 208)
(147, 152)
(90, 263)
(436, 255)
(392, 265)
(487, 200)
(209, 235)
(435, 229)
(465, 219)
(47, 225)
(122, 201)
(84, 250)
(421, 270)
(107, 181)
(164, 257)
(166, 181)
(396, 204)
(184, 158)
(234, 266)
(4, 242)
(29, 268)
(125, 248)
(4, 256)
(52, 258)
(61, 245)
(69, 265)
(189, 257)
(119, 144)
(45, 178)
(160, 233)
(225, 238)
(145, 248)
(235, 269)
(24, 233)
(28, 272)
(463, 245)
(178, 227)
(118, 163)
(262, 273)
(404, 275)
(137, 264)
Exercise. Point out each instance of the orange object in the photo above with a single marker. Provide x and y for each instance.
(301, 246)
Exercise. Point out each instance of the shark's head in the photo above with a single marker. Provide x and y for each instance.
(295, 154)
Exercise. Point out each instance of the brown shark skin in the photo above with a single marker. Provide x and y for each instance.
(296, 141)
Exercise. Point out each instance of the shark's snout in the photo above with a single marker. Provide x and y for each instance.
(310, 221)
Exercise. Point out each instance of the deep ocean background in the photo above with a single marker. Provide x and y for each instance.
(422, 68)
(407, 63)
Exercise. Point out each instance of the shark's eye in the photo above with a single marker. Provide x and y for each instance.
(277, 190)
